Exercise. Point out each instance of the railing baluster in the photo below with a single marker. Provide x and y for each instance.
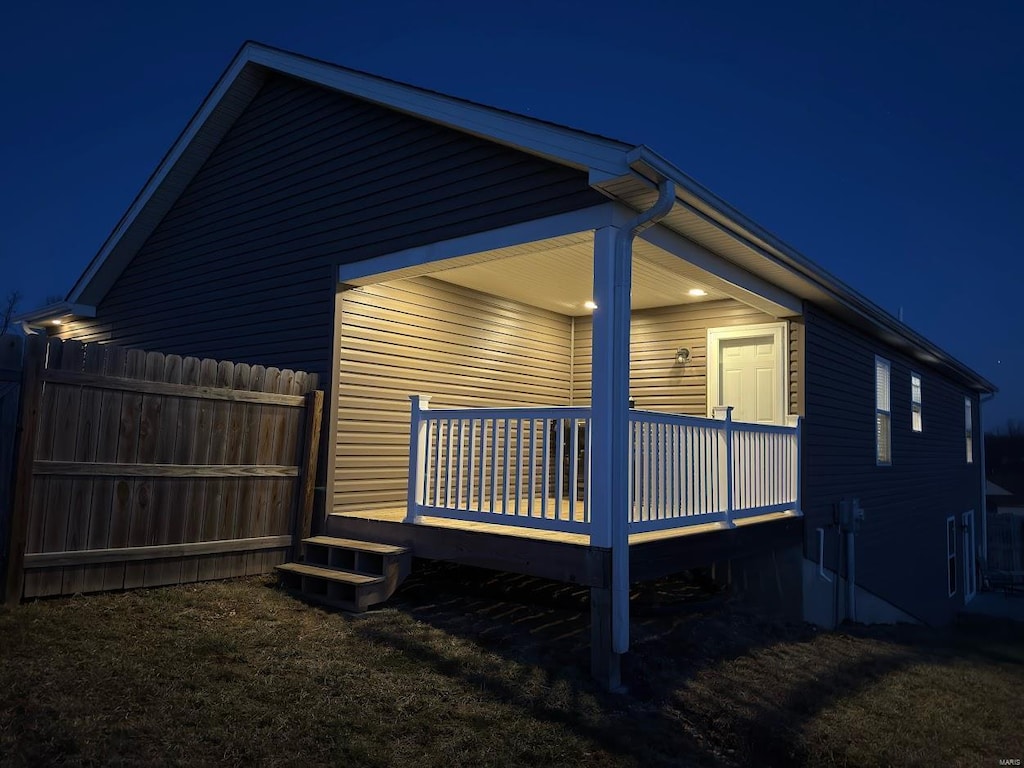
(505, 465)
(486, 457)
(574, 467)
(471, 469)
(658, 456)
(518, 464)
(494, 466)
(431, 426)
(437, 464)
(586, 478)
(532, 468)
(560, 468)
(458, 466)
(545, 480)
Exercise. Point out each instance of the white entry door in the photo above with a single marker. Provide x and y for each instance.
(747, 370)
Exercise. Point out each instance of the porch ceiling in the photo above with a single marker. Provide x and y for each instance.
(557, 274)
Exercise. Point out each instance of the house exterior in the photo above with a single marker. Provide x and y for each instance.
(531, 282)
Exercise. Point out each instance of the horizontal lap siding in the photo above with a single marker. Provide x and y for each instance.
(657, 381)
(243, 266)
(901, 549)
(461, 347)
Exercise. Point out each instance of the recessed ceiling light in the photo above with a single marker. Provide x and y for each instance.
(589, 305)
(55, 322)
(697, 292)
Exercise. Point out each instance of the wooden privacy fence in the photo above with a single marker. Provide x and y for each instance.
(137, 468)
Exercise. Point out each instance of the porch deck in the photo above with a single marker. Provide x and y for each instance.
(563, 556)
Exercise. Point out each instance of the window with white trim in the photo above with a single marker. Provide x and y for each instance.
(915, 402)
(951, 553)
(883, 412)
(969, 430)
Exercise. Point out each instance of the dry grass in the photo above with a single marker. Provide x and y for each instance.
(467, 669)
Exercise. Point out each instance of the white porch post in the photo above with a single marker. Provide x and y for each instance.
(417, 455)
(610, 446)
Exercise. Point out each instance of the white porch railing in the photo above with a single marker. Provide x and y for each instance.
(513, 466)
(530, 467)
(687, 470)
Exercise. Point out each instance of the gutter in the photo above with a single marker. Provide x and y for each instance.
(743, 229)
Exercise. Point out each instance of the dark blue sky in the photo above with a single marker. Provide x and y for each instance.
(883, 140)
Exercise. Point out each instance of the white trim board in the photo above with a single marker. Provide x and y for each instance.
(780, 339)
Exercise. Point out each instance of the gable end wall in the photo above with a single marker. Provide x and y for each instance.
(243, 266)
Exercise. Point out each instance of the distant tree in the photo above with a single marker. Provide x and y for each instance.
(10, 306)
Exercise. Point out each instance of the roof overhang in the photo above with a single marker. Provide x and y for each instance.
(701, 216)
(623, 172)
(54, 314)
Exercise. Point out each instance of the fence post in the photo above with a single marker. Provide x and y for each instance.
(28, 421)
(417, 455)
(306, 484)
(728, 465)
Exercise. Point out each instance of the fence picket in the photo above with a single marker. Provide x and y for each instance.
(82, 489)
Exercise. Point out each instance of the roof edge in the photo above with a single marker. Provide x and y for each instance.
(771, 246)
(555, 142)
(58, 310)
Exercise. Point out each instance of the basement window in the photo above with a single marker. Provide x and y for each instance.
(969, 430)
(883, 413)
(915, 402)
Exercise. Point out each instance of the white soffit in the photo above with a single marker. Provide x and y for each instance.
(557, 274)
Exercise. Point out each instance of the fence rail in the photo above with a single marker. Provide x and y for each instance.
(530, 467)
(137, 468)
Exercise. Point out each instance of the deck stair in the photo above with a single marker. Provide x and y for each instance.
(346, 573)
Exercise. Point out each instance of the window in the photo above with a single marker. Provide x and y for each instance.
(969, 430)
(951, 553)
(915, 402)
(883, 414)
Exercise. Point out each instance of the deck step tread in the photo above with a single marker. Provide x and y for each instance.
(331, 574)
(362, 546)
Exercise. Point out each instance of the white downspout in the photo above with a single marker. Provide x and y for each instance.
(620, 421)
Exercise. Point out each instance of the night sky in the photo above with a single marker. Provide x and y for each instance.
(882, 140)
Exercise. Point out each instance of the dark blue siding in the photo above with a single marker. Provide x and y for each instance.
(901, 549)
(243, 266)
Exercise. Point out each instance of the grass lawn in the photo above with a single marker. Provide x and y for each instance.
(464, 668)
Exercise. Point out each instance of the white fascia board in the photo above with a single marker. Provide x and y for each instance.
(584, 151)
(752, 285)
(367, 271)
(193, 128)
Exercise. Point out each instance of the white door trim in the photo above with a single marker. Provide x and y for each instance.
(780, 338)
